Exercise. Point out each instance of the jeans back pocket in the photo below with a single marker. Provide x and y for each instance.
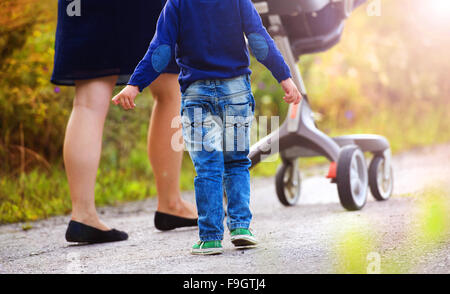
(238, 122)
(202, 131)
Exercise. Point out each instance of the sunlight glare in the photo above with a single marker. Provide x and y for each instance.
(440, 8)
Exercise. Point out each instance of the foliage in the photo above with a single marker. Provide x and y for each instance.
(33, 112)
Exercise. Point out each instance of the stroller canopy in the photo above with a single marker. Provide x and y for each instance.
(288, 7)
(311, 25)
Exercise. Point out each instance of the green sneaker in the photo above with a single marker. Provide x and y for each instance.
(207, 248)
(243, 237)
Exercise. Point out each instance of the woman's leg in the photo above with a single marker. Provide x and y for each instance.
(83, 144)
(166, 161)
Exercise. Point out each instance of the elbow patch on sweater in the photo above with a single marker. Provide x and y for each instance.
(259, 46)
(161, 57)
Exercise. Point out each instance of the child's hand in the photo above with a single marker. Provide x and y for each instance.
(126, 97)
(292, 93)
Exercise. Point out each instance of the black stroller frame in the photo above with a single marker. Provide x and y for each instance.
(299, 136)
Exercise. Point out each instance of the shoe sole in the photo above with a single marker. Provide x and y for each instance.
(243, 240)
(209, 251)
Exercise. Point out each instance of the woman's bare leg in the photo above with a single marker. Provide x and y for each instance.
(83, 144)
(166, 162)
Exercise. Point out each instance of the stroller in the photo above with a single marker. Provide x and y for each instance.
(303, 27)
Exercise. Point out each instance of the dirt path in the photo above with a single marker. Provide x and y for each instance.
(316, 236)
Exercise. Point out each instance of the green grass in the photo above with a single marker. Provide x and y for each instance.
(33, 196)
(40, 194)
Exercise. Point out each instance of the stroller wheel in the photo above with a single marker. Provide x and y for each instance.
(352, 178)
(381, 185)
(288, 183)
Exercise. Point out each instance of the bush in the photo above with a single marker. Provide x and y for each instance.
(33, 112)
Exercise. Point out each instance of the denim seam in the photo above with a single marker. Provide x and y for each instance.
(198, 97)
(240, 225)
(236, 94)
(211, 237)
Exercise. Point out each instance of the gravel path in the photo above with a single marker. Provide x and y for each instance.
(316, 236)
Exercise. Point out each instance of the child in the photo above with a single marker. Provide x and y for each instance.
(207, 39)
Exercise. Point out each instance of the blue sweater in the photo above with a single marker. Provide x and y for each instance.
(207, 39)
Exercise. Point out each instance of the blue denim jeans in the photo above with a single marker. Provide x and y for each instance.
(216, 118)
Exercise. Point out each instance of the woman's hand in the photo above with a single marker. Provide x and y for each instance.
(292, 93)
(126, 97)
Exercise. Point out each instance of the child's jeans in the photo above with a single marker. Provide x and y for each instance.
(217, 117)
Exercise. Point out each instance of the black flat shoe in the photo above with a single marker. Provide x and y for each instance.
(167, 222)
(81, 233)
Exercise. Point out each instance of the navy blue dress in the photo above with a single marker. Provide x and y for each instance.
(109, 37)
